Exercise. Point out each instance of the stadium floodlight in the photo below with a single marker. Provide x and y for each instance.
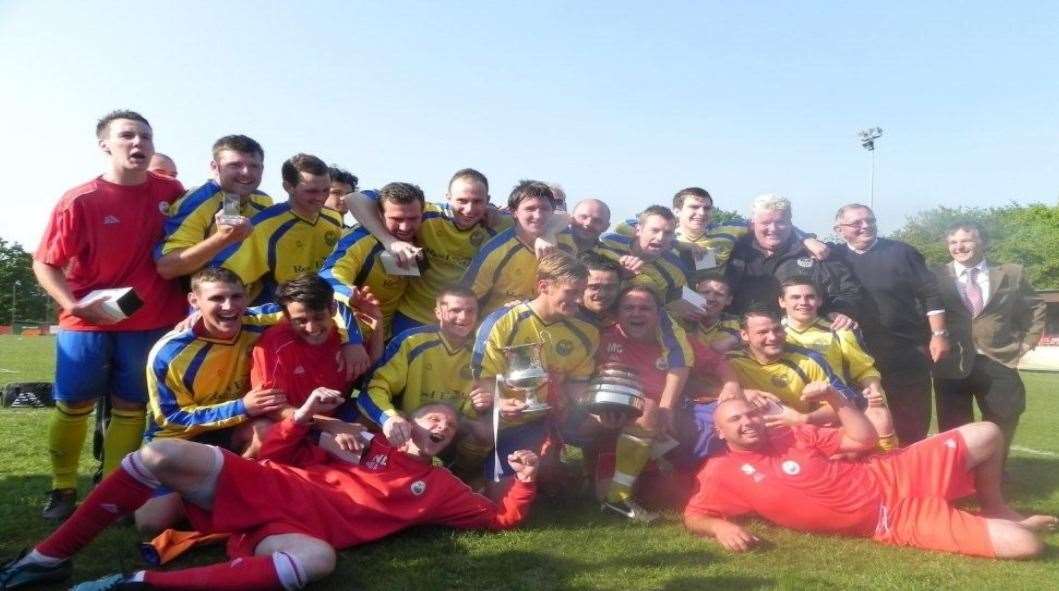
(14, 295)
(867, 141)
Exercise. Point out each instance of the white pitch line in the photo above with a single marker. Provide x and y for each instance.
(1036, 452)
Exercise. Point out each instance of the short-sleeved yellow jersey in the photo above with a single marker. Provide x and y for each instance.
(788, 376)
(419, 366)
(568, 353)
(723, 329)
(195, 383)
(355, 263)
(190, 219)
(665, 274)
(282, 245)
(505, 270)
(448, 251)
(841, 348)
(719, 239)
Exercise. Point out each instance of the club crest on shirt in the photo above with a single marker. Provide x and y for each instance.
(805, 262)
(418, 487)
(779, 381)
(477, 237)
(564, 347)
(163, 207)
(790, 468)
(330, 238)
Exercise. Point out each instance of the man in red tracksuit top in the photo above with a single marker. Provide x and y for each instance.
(290, 511)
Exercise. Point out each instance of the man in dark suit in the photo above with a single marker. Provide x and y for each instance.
(994, 318)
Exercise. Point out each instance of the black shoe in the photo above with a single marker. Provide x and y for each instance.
(61, 503)
(14, 577)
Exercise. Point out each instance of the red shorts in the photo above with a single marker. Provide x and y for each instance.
(919, 484)
(253, 501)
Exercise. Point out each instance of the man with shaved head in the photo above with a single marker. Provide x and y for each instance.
(904, 498)
(163, 165)
(590, 218)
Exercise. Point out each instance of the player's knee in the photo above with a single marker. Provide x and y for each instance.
(983, 434)
(319, 562)
(160, 454)
(301, 565)
(149, 524)
(124, 404)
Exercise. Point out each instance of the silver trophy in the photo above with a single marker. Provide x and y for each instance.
(231, 208)
(526, 375)
(616, 387)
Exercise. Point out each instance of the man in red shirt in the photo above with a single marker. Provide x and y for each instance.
(904, 498)
(100, 236)
(289, 512)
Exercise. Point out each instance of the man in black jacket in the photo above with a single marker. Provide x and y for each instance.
(902, 318)
(771, 253)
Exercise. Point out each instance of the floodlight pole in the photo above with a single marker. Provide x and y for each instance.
(17, 283)
(867, 141)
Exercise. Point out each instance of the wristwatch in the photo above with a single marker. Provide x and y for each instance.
(940, 333)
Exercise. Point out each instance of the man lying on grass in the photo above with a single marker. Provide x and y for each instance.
(904, 498)
(289, 512)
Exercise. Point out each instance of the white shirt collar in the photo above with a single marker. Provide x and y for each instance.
(961, 269)
(863, 250)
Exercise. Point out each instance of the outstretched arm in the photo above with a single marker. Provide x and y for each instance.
(730, 535)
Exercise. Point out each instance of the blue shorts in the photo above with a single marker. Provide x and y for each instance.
(698, 436)
(401, 323)
(91, 364)
(529, 436)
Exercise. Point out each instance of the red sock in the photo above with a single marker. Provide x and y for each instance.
(256, 572)
(117, 495)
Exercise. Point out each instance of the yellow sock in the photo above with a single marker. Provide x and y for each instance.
(66, 435)
(630, 457)
(124, 434)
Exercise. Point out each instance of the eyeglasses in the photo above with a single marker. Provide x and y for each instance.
(865, 222)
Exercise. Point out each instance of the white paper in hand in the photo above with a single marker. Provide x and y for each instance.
(707, 261)
(389, 264)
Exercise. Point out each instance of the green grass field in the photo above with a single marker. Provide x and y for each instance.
(569, 544)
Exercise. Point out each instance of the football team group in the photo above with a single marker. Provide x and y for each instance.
(263, 374)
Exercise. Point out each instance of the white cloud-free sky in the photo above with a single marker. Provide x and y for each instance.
(624, 101)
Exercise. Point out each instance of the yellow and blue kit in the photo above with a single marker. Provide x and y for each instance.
(719, 239)
(842, 349)
(419, 366)
(788, 376)
(355, 263)
(195, 383)
(724, 329)
(568, 352)
(282, 245)
(191, 221)
(665, 274)
(448, 251)
(505, 269)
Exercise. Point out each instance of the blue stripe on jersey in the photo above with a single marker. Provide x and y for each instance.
(371, 194)
(724, 235)
(619, 238)
(368, 407)
(504, 261)
(848, 393)
(167, 400)
(476, 263)
(273, 241)
(481, 337)
(670, 342)
(343, 246)
(329, 220)
(421, 348)
(518, 320)
(432, 214)
(189, 203)
(391, 350)
(369, 263)
(270, 212)
(193, 367)
(587, 344)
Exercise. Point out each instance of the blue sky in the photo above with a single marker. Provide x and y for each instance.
(623, 101)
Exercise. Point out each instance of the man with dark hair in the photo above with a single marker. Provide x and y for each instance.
(289, 512)
(502, 271)
(774, 374)
(197, 228)
(902, 316)
(789, 477)
(772, 253)
(569, 345)
(448, 239)
(601, 289)
(995, 318)
(647, 257)
(715, 328)
(289, 238)
(357, 262)
(100, 236)
(343, 183)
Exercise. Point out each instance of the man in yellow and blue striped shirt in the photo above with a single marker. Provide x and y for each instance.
(356, 262)
(423, 365)
(648, 258)
(197, 378)
(288, 238)
(504, 270)
(196, 229)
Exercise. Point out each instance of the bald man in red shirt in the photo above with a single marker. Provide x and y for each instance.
(904, 498)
